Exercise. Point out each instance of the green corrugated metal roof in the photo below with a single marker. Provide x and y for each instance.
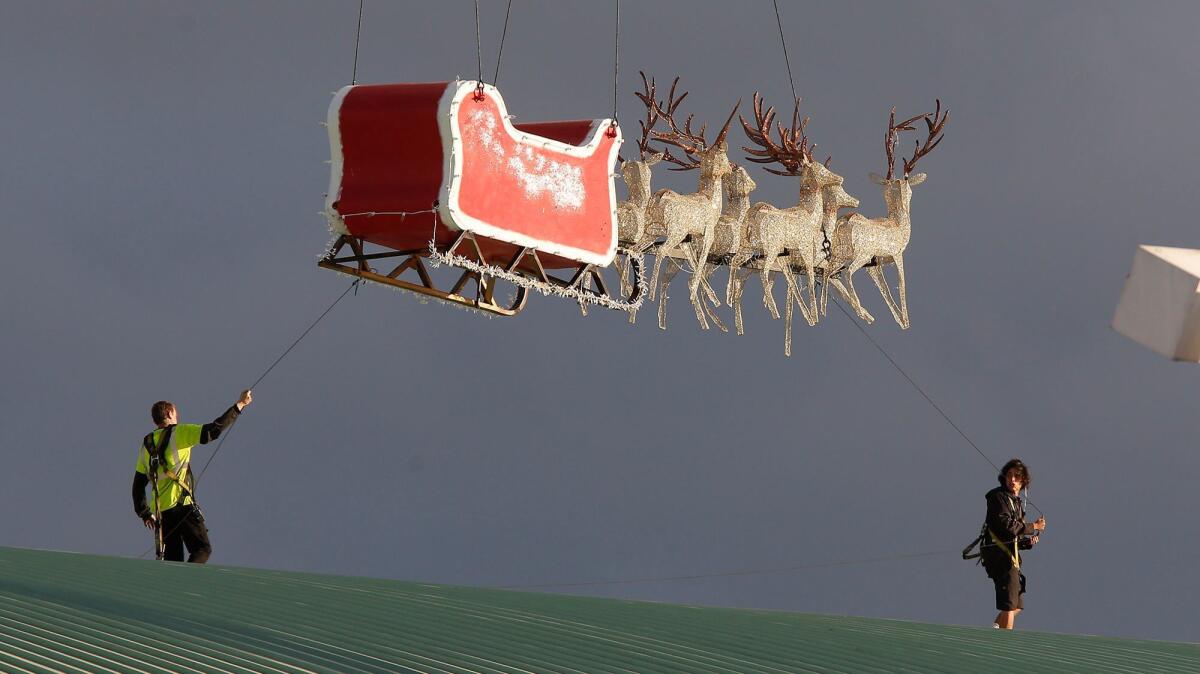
(68, 612)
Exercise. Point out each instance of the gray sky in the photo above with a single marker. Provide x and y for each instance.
(161, 184)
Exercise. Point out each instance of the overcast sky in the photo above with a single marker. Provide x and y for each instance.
(161, 185)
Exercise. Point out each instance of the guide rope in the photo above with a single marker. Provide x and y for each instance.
(876, 344)
(225, 436)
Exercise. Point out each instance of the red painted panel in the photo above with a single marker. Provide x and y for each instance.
(533, 191)
(392, 162)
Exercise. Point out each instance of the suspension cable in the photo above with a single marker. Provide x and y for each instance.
(357, 36)
(500, 52)
(616, 57)
(478, 45)
(783, 41)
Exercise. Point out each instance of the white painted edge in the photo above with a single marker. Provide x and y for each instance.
(333, 123)
(448, 207)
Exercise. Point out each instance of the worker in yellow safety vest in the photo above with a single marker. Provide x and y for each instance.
(164, 463)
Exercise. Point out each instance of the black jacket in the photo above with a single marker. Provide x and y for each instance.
(1005, 519)
(208, 432)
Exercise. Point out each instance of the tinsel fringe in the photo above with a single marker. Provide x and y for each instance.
(437, 258)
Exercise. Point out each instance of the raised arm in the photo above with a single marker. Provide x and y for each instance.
(212, 430)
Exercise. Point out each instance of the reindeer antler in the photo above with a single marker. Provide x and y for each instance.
(893, 136)
(793, 150)
(686, 140)
(935, 123)
(691, 142)
(647, 99)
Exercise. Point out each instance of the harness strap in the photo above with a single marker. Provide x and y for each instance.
(966, 553)
(159, 457)
(1014, 555)
(153, 459)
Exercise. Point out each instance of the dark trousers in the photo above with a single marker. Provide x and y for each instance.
(184, 526)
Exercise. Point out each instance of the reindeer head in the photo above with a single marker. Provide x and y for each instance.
(897, 192)
(834, 195)
(738, 182)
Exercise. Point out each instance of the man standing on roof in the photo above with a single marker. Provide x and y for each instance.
(174, 516)
(1007, 534)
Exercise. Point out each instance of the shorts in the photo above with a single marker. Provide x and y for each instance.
(1010, 585)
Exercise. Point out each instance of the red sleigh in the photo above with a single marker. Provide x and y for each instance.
(438, 173)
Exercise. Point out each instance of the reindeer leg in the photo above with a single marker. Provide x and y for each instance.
(700, 262)
(622, 275)
(697, 303)
(740, 258)
(793, 291)
(671, 271)
(787, 323)
(880, 280)
(829, 273)
(711, 311)
(739, 285)
(769, 257)
(845, 294)
(715, 318)
(672, 242)
(853, 295)
(708, 289)
(811, 265)
(899, 260)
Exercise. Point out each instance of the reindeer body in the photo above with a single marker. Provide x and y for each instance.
(676, 217)
(887, 238)
(866, 239)
(798, 229)
(631, 212)
(879, 239)
(727, 237)
(730, 231)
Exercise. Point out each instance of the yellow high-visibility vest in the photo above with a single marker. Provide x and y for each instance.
(175, 464)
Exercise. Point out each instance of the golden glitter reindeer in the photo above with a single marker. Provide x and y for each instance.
(798, 229)
(674, 216)
(860, 240)
(727, 239)
(631, 212)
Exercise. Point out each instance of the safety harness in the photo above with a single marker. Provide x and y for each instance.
(153, 455)
(180, 475)
(985, 533)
